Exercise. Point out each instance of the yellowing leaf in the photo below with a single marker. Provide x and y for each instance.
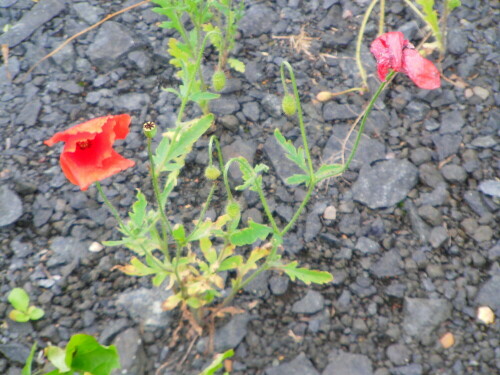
(171, 302)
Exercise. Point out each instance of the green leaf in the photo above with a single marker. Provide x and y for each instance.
(231, 263)
(27, 365)
(298, 179)
(208, 251)
(306, 275)
(329, 170)
(431, 15)
(452, 4)
(194, 302)
(251, 234)
(250, 175)
(136, 268)
(295, 155)
(236, 64)
(35, 313)
(217, 362)
(138, 212)
(19, 299)
(201, 96)
(19, 316)
(84, 353)
(179, 234)
(57, 356)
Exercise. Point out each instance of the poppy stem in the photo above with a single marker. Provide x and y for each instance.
(165, 225)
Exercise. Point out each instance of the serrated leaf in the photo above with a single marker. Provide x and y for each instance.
(203, 96)
(236, 64)
(85, 354)
(138, 212)
(298, 179)
(19, 316)
(251, 234)
(57, 356)
(292, 153)
(35, 313)
(27, 365)
(208, 251)
(306, 275)
(329, 170)
(231, 263)
(19, 299)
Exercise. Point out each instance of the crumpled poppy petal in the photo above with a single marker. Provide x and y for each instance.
(85, 175)
(420, 70)
(88, 154)
(388, 51)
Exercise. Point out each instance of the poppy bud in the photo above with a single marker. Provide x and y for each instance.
(218, 80)
(288, 105)
(149, 129)
(212, 173)
(233, 209)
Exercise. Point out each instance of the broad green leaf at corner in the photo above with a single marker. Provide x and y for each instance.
(57, 356)
(85, 354)
(19, 299)
(35, 313)
(19, 316)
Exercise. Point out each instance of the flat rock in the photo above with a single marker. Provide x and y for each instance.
(239, 147)
(446, 144)
(311, 303)
(369, 150)
(451, 122)
(422, 316)
(334, 111)
(112, 43)
(488, 294)
(389, 265)
(15, 352)
(301, 365)
(343, 363)
(41, 13)
(144, 306)
(258, 19)
(490, 187)
(11, 206)
(229, 336)
(385, 184)
(132, 356)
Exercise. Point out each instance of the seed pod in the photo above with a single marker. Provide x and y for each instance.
(212, 173)
(288, 105)
(219, 80)
(149, 128)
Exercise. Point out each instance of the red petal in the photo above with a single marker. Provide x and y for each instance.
(388, 51)
(420, 70)
(84, 175)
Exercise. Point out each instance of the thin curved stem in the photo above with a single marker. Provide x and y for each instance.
(359, 41)
(381, 20)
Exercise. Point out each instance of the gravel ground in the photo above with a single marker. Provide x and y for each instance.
(410, 233)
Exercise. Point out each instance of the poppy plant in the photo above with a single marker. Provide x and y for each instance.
(88, 155)
(393, 51)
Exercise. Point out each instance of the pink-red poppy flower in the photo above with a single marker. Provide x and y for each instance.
(88, 155)
(393, 51)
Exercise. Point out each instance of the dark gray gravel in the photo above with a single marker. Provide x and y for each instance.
(411, 233)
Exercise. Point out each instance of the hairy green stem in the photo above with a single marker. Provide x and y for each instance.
(299, 210)
(165, 224)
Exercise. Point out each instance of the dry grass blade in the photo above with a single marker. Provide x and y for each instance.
(5, 55)
(301, 43)
(70, 39)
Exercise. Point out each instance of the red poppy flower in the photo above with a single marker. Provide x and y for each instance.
(393, 51)
(88, 154)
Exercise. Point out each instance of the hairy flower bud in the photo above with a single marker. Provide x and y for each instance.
(212, 173)
(288, 105)
(233, 209)
(219, 80)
